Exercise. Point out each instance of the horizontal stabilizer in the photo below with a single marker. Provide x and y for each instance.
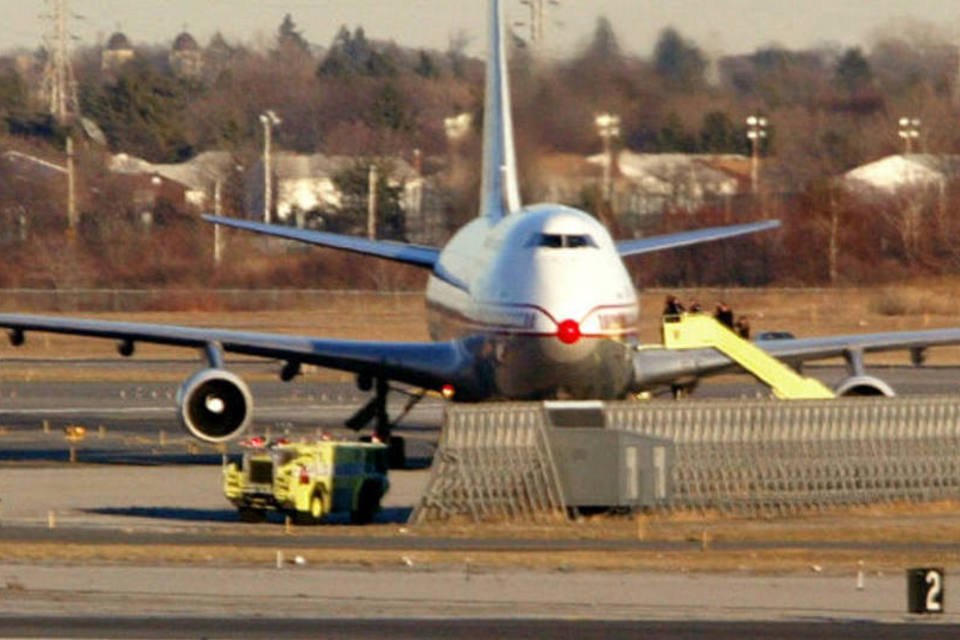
(412, 254)
(687, 238)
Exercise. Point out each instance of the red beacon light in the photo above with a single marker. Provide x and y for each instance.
(568, 331)
(447, 391)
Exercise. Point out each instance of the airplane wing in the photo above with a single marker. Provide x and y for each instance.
(658, 366)
(412, 254)
(819, 348)
(424, 364)
(685, 238)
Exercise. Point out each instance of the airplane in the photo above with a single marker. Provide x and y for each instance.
(525, 302)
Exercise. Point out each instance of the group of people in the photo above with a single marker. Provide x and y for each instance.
(723, 314)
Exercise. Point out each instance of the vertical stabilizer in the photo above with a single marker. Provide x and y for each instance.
(499, 193)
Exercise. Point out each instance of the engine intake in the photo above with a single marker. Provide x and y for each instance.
(864, 386)
(214, 405)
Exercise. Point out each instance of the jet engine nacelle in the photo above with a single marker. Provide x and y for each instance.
(864, 386)
(214, 405)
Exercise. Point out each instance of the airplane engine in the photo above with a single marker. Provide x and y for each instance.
(863, 386)
(214, 405)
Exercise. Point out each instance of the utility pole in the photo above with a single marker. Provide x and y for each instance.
(956, 78)
(71, 189)
(60, 85)
(218, 211)
(372, 203)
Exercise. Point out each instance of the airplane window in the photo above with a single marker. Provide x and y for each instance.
(558, 241)
(575, 242)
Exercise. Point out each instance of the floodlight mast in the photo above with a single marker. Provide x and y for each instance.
(756, 132)
(269, 119)
(909, 130)
(608, 126)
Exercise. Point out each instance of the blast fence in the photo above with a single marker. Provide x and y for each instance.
(734, 456)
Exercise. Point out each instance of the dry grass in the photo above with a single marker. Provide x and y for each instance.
(769, 561)
(829, 542)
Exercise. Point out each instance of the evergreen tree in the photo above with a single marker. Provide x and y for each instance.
(426, 67)
(354, 185)
(853, 72)
(352, 55)
(679, 63)
(718, 134)
(604, 47)
(289, 38)
(142, 113)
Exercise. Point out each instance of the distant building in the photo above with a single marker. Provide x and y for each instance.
(305, 193)
(30, 168)
(196, 178)
(646, 186)
(895, 174)
(117, 53)
(186, 58)
(30, 187)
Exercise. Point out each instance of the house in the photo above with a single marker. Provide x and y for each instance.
(30, 193)
(305, 192)
(198, 176)
(645, 186)
(661, 182)
(901, 173)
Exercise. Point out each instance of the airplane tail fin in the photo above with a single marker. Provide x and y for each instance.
(499, 195)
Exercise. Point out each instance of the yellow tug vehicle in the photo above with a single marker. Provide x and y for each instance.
(307, 480)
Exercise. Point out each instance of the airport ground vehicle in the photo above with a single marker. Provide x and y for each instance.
(308, 480)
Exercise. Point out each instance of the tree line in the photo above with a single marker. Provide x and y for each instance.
(830, 109)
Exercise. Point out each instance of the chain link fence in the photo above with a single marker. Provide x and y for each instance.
(741, 457)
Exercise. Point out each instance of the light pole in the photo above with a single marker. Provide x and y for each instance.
(269, 120)
(756, 131)
(909, 131)
(608, 126)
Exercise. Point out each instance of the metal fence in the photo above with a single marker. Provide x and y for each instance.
(748, 458)
(132, 300)
(492, 462)
(164, 299)
(780, 457)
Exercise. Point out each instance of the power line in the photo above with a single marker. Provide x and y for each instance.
(59, 83)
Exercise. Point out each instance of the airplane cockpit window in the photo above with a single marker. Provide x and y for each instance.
(561, 241)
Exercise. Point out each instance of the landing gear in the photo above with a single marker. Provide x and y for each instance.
(376, 411)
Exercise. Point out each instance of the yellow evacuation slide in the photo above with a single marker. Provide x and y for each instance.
(698, 331)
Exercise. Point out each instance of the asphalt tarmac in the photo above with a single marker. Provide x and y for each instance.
(172, 494)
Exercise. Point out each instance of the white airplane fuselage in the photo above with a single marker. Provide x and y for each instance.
(548, 299)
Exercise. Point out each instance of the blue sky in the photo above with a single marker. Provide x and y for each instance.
(721, 26)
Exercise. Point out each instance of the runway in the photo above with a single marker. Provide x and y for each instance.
(157, 505)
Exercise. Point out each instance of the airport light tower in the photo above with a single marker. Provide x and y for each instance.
(909, 131)
(608, 126)
(269, 120)
(756, 132)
